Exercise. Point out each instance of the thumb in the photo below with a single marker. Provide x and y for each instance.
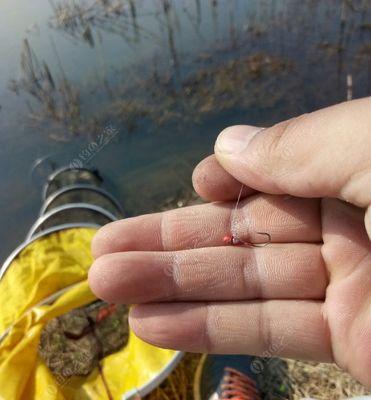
(326, 153)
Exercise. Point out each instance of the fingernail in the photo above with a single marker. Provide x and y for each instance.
(235, 139)
(368, 222)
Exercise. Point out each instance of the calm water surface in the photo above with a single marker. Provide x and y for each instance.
(166, 76)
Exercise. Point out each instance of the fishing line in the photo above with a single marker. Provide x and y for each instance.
(233, 238)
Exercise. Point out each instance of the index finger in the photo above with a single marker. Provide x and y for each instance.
(285, 218)
(212, 182)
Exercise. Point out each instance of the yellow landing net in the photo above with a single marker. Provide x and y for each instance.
(52, 263)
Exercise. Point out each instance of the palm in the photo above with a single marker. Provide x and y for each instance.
(347, 305)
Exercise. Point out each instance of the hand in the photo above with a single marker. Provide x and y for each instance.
(306, 295)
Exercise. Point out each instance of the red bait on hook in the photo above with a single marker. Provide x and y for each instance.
(235, 241)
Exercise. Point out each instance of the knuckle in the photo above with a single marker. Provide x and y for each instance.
(180, 229)
(356, 186)
(213, 323)
(170, 228)
(252, 283)
(265, 328)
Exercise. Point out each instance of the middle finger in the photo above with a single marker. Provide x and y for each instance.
(277, 271)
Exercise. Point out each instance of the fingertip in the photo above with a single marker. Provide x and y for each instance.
(243, 157)
(234, 140)
(134, 320)
(96, 279)
(213, 183)
(177, 326)
(104, 279)
(100, 243)
(146, 324)
(202, 177)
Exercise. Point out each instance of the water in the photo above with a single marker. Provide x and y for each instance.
(166, 76)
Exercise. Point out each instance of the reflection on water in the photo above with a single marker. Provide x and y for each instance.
(80, 19)
(168, 75)
(58, 100)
